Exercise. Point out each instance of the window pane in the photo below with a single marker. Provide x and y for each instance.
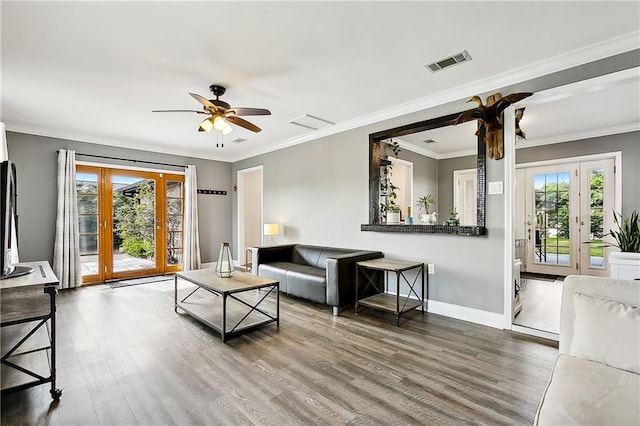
(88, 244)
(88, 224)
(174, 223)
(174, 257)
(174, 189)
(87, 204)
(174, 206)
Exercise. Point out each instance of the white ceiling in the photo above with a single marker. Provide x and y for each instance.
(93, 71)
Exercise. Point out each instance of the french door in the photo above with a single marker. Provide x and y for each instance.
(130, 222)
(569, 209)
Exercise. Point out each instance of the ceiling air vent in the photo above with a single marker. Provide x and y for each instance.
(430, 141)
(311, 122)
(239, 140)
(448, 62)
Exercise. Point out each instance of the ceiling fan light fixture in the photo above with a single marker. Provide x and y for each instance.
(206, 125)
(219, 123)
(226, 129)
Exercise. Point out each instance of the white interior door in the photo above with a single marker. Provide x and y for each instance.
(597, 203)
(465, 190)
(552, 214)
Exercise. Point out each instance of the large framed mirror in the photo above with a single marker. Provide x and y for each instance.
(435, 161)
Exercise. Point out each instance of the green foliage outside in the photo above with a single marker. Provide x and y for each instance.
(134, 220)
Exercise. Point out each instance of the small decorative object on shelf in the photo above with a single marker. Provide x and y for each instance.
(453, 218)
(409, 219)
(224, 266)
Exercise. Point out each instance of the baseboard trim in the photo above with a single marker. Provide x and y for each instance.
(535, 332)
(477, 316)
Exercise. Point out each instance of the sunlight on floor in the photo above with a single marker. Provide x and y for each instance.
(540, 304)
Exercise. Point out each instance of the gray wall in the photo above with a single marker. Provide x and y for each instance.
(319, 190)
(36, 163)
(325, 201)
(627, 143)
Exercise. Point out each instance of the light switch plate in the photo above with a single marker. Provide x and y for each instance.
(495, 187)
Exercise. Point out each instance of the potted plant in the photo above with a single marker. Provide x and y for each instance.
(388, 207)
(393, 213)
(423, 203)
(453, 218)
(625, 264)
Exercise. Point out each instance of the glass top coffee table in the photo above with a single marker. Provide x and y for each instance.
(230, 306)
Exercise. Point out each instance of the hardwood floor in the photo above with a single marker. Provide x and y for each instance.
(125, 357)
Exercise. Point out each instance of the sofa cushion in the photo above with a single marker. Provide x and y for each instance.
(276, 271)
(606, 331)
(307, 282)
(583, 392)
(297, 280)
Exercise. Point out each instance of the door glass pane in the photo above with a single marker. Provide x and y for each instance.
(596, 217)
(134, 224)
(552, 243)
(173, 226)
(87, 193)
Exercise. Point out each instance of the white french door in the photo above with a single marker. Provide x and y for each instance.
(568, 209)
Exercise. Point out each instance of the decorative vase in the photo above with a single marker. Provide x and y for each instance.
(224, 266)
(424, 218)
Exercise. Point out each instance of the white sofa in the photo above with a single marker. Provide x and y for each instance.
(596, 380)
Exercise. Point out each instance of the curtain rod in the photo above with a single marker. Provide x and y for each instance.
(133, 161)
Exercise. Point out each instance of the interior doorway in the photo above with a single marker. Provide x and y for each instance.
(250, 193)
(564, 209)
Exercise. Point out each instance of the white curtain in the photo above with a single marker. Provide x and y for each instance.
(66, 253)
(4, 155)
(191, 255)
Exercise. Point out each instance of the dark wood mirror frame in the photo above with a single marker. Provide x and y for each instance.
(375, 156)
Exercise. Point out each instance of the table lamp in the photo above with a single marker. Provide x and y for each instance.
(271, 229)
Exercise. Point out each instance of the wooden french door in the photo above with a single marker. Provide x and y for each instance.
(569, 210)
(130, 222)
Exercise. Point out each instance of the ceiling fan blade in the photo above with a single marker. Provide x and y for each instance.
(243, 123)
(180, 110)
(204, 101)
(249, 111)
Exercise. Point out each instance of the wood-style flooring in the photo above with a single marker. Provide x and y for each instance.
(125, 358)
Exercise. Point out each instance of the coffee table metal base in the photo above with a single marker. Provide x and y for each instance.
(230, 310)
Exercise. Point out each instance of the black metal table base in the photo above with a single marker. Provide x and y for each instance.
(49, 322)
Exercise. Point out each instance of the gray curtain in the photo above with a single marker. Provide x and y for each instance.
(66, 252)
(191, 255)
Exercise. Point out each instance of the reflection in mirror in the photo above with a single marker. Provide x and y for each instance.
(431, 161)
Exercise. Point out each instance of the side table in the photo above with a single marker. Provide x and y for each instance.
(385, 301)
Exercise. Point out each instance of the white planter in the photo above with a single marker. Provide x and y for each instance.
(393, 217)
(624, 266)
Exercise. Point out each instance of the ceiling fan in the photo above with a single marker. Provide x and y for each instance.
(221, 113)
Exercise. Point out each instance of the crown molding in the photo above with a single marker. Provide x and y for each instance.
(588, 134)
(92, 139)
(594, 52)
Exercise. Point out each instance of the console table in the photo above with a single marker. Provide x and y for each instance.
(247, 310)
(28, 303)
(384, 300)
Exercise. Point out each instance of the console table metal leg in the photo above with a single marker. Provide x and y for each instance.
(397, 299)
(278, 304)
(55, 392)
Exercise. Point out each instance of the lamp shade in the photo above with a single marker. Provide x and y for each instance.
(271, 229)
(224, 266)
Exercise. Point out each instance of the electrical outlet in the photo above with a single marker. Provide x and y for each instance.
(431, 269)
